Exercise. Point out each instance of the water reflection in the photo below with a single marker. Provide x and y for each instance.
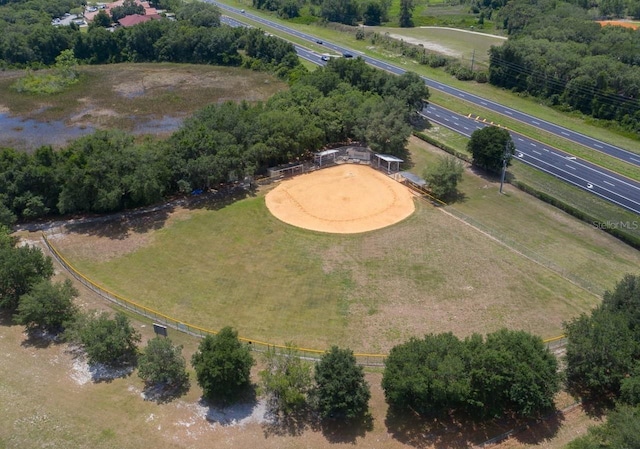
(28, 134)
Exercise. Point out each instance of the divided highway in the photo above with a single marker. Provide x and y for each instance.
(589, 177)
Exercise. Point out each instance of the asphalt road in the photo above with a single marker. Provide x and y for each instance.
(620, 153)
(589, 177)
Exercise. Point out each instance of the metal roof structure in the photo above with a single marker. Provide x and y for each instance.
(415, 179)
(389, 159)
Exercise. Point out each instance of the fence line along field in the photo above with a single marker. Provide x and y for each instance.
(236, 264)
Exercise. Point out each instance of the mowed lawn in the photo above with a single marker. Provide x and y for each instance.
(240, 266)
(449, 41)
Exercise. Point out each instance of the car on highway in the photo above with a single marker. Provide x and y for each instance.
(347, 55)
(242, 11)
(318, 41)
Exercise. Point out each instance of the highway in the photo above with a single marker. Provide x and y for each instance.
(589, 177)
(620, 153)
(584, 175)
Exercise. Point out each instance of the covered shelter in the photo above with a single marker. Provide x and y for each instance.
(390, 161)
(329, 155)
(286, 170)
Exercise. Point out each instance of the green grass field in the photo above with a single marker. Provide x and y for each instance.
(520, 264)
(458, 43)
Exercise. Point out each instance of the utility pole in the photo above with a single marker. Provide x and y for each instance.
(505, 157)
(504, 171)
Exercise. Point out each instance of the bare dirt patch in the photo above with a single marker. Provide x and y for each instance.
(345, 199)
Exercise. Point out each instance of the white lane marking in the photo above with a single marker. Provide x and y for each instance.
(564, 133)
(466, 128)
(534, 122)
(634, 159)
(462, 95)
(597, 146)
(571, 167)
(508, 112)
(546, 149)
(610, 183)
(483, 103)
(520, 139)
(533, 144)
(535, 152)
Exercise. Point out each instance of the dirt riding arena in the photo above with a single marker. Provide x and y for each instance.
(344, 199)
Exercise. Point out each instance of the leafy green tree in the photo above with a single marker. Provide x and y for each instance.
(341, 389)
(489, 146)
(513, 373)
(48, 306)
(630, 389)
(406, 13)
(21, 267)
(7, 217)
(101, 19)
(443, 177)
(128, 8)
(429, 376)
(223, 366)
(625, 298)
(112, 342)
(286, 380)
(162, 363)
(199, 14)
(373, 13)
(601, 352)
(621, 431)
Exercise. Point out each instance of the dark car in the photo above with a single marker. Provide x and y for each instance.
(347, 55)
(319, 42)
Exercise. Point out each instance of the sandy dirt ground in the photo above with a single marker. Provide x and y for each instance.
(344, 199)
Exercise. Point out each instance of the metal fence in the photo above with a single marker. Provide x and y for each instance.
(197, 331)
(553, 344)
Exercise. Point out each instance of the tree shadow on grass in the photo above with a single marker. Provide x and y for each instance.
(289, 424)
(218, 199)
(227, 414)
(6, 318)
(120, 226)
(163, 394)
(346, 431)
(539, 431)
(453, 433)
(41, 339)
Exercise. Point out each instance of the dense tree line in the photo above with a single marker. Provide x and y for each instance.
(556, 52)
(509, 373)
(109, 171)
(603, 350)
(349, 12)
(29, 39)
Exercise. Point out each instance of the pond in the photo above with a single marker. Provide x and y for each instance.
(28, 134)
